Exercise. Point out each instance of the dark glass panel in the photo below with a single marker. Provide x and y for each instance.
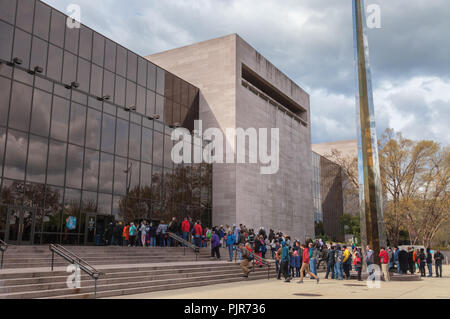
(131, 66)
(16, 152)
(5, 89)
(106, 169)
(93, 129)
(158, 144)
(43, 84)
(70, 68)
(74, 166)
(96, 104)
(108, 84)
(72, 37)
(151, 100)
(119, 97)
(96, 80)
(131, 94)
(78, 97)
(134, 174)
(19, 114)
(184, 93)
(89, 200)
(12, 192)
(167, 151)
(151, 76)
(135, 142)
(147, 123)
(184, 116)
(108, 133)
(90, 180)
(60, 118)
(142, 71)
(25, 13)
(168, 86)
(22, 46)
(147, 143)
(156, 184)
(85, 50)
(23, 76)
(116, 207)
(176, 113)
(123, 114)
(159, 108)
(57, 28)
(136, 118)
(168, 112)
(104, 203)
(121, 65)
(6, 39)
(42, 20)
(2, 148)
(140, 100)
(121, 175)
(176, 89)
(146, 177)
(109, 108)
(122, 138)
(84, 69)
(40, 116)
(61, 91)
(110, 55)
(54, 69)
(56, 163)
(39, 54)
(8, 10)
(37, 159)
(160, 80)
(98, 50)
(77, 123)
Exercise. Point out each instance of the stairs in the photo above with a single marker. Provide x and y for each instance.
(127, 270)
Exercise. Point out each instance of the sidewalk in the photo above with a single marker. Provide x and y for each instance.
(427, 288)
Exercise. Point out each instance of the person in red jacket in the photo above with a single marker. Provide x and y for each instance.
(384, 260)
(185, 228)
(198, 231)
(305, 264)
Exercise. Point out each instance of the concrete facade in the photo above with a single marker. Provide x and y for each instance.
(240, 193)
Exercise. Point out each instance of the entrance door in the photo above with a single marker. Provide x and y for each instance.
(20, 225)
(91, 223)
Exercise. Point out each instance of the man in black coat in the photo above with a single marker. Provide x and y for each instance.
(403, 261)
(412, 266)
(330, 262)
(438, 258)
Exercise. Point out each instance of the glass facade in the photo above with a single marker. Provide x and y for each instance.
(85, 130)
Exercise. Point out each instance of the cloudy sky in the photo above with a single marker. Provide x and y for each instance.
(312, 42)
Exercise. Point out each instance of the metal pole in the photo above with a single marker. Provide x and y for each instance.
(95, 288)
(53, 258)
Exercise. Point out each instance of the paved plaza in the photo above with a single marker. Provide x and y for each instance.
(427, 288)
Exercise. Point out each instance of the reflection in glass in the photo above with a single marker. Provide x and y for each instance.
(96, 80)
(122, 175)
(77, 123)
(56, 163)
(106, 168)
(60, 118)
(131, 94)
(90, 179)
(108, 84)
(54, 69)
(119, 97)
(135, 142)
(42, 20)
(140, 100)
(37, 159)
(122, 138)
(74, 166)
(110, 55)
(2, 147)
(84, 69)
(134, 175)
(57, 28)
(8, 10)
(98, 49)
(146, 175)
(71, 43)
(158, 144)
(85, 42)
(108, 132)
(70, 68)
(20, 106)
(104, 203)
(16, 152)
(167, 151)
(25, 12)
(93, 129)
(39, 54)
(5, 88)
(6, 38)
(147, 143)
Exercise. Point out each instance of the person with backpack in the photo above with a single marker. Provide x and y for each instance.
(247, 258)
(231, 241)
(285, 259)
(133, 233)
(215, 244)
(384, 260)
(330, 262)
(305, 264)
(346, 262)
(338, 258)
(358, 262)
(421, 260)
(161, 232)
(369, 260)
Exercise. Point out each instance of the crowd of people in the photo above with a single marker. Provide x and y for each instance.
(293, 258)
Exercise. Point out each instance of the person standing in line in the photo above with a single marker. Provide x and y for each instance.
(396, 260)
(191, 227)
(330, 262)
(438, 258)
(132, 232)
(411, 261)
(313, 255)
(142, 229)
(305, 265)
(161, 232)
(215, 244)
(126, 234)
(429, 260)
(384, 260)
(278, 259)
(421, 260)
(358, 262)
(369, 261)
(403, 261)
(231, 241)
(152, 235)
(346, 262)
(185, 229)
(338, 258)
(198, 232)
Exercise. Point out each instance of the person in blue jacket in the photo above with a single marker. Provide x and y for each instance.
(231, 241)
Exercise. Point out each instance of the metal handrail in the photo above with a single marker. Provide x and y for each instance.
(185, 244)
(3, 248)
(257, 258)
(74, 259)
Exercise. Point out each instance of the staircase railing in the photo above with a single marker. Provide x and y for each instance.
(185, 244)
(260, 260)
(74, 259)
(3, 248)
